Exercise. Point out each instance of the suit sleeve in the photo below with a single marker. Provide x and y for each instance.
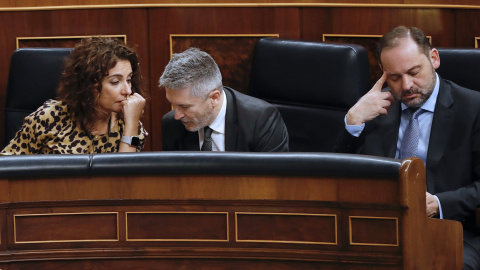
(166, 134)
(461, 203)
(347, 143)
(272, 132)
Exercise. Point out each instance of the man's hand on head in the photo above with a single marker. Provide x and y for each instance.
(371, 105)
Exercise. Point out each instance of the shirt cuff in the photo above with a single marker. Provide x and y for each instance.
(353, 129)
(440, 212)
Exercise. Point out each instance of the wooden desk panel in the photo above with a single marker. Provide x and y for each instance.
(225, 222)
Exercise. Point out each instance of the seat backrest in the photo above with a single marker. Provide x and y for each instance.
(33, 78)
(461, 66)
(312, 84)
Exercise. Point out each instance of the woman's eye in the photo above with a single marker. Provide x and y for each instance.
(114, 83)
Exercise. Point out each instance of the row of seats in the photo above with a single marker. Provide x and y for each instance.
(312, 84)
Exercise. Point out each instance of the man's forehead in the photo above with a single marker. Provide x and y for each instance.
(402, 45)
(181, 97)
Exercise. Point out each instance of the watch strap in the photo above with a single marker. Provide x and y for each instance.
(131, 140)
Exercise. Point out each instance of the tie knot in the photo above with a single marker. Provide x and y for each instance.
(208, 132)
(415, 112)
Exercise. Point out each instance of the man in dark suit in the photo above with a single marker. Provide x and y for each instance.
(422, 115)
(209, 117)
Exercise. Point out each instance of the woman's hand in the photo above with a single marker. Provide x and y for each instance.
(132, 111)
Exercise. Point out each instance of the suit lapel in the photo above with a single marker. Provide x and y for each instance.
(386, 133)
(231, 126)
(442, 126)
(191, 141)
(390, 135)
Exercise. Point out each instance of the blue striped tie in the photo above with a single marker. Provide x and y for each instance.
(409, 145)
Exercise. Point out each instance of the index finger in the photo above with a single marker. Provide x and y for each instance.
(379, 84)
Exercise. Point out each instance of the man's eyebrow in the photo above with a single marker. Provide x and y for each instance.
(409, 70)
(415, 67)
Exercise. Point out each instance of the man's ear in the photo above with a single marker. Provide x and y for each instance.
(435, 58)
(214, 97)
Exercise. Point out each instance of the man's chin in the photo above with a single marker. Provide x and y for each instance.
(190, 127)
(414, 103)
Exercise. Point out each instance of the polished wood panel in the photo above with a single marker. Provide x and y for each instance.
(467, 20)
(379, 231)
(315, 229)
(438, 23)
(65, 227)
(180, 226)
(249, 221)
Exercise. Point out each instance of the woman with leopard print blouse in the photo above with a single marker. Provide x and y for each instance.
(100, 101)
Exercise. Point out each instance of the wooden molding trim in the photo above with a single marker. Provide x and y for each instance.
(210, 5)
(377, 219)
(20, 39)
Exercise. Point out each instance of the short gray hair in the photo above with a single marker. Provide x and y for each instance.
(192, 68)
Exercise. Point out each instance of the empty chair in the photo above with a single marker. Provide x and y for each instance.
(461, 66)
(312, 84)
(33, 78)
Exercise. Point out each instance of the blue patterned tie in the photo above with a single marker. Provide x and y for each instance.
(207, 141)
(409, 145)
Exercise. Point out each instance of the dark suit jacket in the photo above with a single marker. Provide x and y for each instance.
(251, 125)
(453, 158)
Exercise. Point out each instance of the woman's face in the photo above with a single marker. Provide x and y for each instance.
(116, 87)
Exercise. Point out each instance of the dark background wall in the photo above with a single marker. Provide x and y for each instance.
(149, 25)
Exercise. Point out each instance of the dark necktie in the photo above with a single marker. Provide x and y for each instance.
(409, 145)
(207, 141)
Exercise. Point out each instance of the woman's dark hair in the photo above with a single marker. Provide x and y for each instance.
(84, 71)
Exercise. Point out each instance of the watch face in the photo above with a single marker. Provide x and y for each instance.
(135, 141)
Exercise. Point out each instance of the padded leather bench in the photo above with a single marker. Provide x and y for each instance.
(212, 163)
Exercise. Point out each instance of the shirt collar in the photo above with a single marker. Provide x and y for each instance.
(218, 125)
(429, 105)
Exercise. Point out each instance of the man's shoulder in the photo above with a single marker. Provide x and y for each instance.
(168, 116)
(461, 93)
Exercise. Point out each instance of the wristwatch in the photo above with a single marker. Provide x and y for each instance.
(132, 140)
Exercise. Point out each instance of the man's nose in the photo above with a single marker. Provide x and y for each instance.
(407, 83)
(178, 114)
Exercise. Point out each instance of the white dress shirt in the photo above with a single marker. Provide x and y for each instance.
(218, 128)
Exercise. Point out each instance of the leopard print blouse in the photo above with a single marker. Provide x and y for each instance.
(51, 130)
